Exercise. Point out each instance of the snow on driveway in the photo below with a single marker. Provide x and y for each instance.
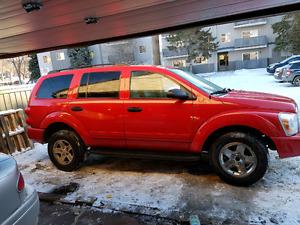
(172, 190)
(176, 189)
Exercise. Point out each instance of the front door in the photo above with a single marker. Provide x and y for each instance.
(223, 61)
(99, 108)
(153, 121)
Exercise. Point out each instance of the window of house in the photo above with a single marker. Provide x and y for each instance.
(92, 54)
(46, 59)
(100, 85)
(201, 59)
(249, 33)
(55, 87)
(60, 56)
(250, 56)
(142, 49)
(225, 38)
(145, 84)
(179, 63)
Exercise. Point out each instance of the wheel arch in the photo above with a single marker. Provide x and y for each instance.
(63, 120)
(57, 126)
(237, 128)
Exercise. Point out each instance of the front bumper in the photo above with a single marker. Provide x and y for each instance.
(27, 213)
(288, 146)
(287, 79)
(278, 76)
(270, 70)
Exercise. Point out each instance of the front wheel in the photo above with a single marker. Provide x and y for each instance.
(238, 158)
(65, 150)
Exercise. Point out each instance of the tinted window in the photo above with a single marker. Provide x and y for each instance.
(146, 84)
(82, 91)
(55, 87)
(100, 85)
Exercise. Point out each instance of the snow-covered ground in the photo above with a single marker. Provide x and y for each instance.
(178, 190)
(253, 80)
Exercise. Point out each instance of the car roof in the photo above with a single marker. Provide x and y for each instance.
(107, 67)
(298, 61)
(291, 57)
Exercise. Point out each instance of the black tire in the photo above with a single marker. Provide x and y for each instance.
(72, 139)
(258, 150)
(296, 81)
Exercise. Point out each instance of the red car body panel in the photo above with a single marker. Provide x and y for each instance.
(163, 124)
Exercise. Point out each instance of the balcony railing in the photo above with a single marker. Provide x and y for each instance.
(249, 23)
(174, 53)
(250, 42)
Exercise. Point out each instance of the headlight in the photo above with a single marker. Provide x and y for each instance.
(289, 123)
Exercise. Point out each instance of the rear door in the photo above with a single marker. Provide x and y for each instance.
(98, 107)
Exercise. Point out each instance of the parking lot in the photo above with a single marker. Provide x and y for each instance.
(173, 191)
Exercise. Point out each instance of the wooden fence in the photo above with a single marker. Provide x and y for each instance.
(13, 136)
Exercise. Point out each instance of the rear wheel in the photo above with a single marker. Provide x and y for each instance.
(65, 150)
(239, 158)
(296, 81)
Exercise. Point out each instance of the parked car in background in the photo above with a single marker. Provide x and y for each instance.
(19, 203)
(164, 113)
(278, 72)
(291, 73)
(272, 67)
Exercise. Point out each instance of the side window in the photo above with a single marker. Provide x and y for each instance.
(100, 85)
(295, 66)
(55, 87)
(144, 84)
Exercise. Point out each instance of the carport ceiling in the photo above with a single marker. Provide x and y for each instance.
(60, 23)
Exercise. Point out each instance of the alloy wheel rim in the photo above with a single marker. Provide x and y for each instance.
(237, 159)
(63, 152)
(297, 82)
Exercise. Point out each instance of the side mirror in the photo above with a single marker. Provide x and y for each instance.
(178, 94)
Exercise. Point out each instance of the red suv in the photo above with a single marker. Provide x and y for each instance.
(157, 112)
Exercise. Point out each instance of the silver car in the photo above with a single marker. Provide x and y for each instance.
(19, 203)
(292, 73)
(279, 72)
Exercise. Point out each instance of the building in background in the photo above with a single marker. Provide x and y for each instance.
(245, 44)
(143, 50)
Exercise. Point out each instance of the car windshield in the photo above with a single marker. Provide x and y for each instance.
(198, 81)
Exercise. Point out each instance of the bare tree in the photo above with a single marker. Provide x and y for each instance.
(20, 63)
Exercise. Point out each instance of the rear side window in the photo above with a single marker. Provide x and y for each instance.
(55, 87)
(100, 85)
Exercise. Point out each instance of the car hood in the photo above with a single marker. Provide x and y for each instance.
(260, 100)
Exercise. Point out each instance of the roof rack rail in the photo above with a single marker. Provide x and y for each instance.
(81, 67)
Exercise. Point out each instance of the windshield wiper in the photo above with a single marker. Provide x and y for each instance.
(223, 91)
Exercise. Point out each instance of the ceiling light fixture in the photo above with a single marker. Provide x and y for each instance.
(91, 20)
(32, 5)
